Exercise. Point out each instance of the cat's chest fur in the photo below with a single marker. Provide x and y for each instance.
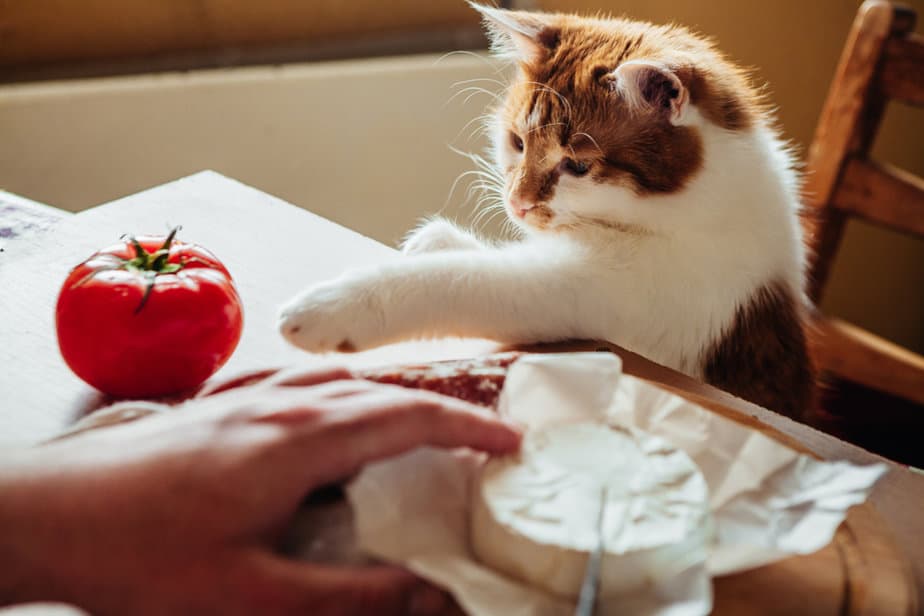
(672, 299)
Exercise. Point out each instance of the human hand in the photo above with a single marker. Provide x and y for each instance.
(178, 513)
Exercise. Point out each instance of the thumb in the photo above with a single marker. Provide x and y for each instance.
(331, 590)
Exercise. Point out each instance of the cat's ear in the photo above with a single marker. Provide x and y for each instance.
(648, 85)
(518, 35)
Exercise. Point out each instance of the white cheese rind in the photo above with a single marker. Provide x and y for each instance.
(534, 515)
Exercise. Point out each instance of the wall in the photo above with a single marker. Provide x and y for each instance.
(364, 143)
(47, 31)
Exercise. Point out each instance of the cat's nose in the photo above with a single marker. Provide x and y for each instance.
(520, 206)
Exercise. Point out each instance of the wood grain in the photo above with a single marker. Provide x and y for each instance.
(882, 194)
(273, 249)
(870, 575)
(853, 560)
(837, 134)
(854, 354)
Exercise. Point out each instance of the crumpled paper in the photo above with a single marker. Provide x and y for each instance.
(768, 501)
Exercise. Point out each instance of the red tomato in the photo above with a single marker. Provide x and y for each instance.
(148, 317)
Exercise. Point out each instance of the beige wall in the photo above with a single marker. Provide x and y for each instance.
(361, 142)
(364, 143)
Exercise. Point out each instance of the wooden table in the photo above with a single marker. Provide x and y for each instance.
(274, 249)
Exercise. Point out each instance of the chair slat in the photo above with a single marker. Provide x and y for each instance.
(902, 76)
(882, 194)
(842, 129)
(847, 97)
(846, 351)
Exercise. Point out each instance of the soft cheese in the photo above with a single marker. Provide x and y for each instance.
(534, 515)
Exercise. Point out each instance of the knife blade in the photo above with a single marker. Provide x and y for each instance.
(590, 587)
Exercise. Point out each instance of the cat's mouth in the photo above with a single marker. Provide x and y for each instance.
(536, 216)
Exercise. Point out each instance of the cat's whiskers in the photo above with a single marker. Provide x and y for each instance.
(510, 228)
(477, 79)
(455, 184)
(487, 189)
(487, 193)
(547, 88)
(471, 92)
(486, 214)
(486, 124)
(487, 180)
(535, 128)
(490, 183)
(464, 52)
(592, 140)
(481, 163)
(490, 191)
(489, 209)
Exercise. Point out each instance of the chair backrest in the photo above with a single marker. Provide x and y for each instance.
(883, 60)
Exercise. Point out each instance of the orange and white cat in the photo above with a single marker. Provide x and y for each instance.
(658, 209)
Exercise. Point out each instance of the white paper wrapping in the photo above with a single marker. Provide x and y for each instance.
(767, 501)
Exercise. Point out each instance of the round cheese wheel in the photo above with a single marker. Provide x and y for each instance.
(535, 514)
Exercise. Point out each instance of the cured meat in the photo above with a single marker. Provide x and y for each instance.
(477, 380)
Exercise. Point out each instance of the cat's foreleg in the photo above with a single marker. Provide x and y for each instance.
(507, 297)
(438, 234)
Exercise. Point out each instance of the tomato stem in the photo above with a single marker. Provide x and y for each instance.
(148, 264)
(140, 253)
(170, 237)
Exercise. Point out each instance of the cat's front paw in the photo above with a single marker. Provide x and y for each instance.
(341, 315)
(436, 235)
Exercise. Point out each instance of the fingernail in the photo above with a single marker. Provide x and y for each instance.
(516, 432)
(513, 425)
(426, 601)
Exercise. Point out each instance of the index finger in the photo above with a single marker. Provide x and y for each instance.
(385, 421)
(293, 376)
(246, 379)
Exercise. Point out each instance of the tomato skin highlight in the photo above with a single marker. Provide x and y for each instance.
(129, 345)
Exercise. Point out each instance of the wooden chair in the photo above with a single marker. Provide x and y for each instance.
(883, 60)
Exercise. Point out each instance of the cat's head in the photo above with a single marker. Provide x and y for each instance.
(605, 115)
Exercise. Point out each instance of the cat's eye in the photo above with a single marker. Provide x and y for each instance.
(516, 142)
(576, 168)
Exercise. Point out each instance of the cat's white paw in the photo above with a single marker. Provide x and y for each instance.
(436, 235)
(343, 315)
